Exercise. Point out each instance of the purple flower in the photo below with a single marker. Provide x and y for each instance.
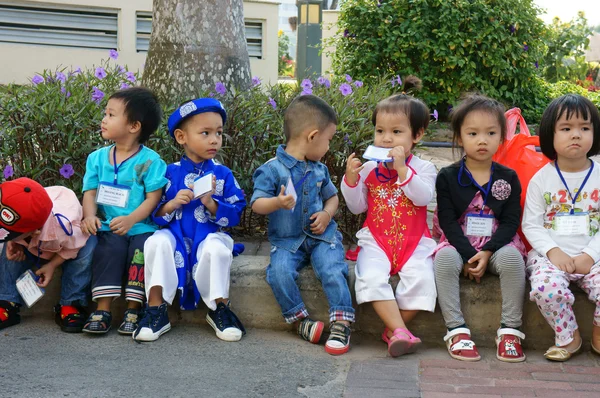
(65, 92)
(77, 71)
(220, 88)
(211, 94)
(306, 84)
(100, 73)
(512, 28)
(61, 76)
(346, 33)
(345, 89)
(347, 139)
(358, 83)
(66, 171)
(323, 81)
(348, 78)
(122, 69)
(97, 95)
(113, 54)
(396, 80)
(435, 115)
(306, 91)
(525, 47)
(8, 171)
(37, 79)
(536, 65)
(255, 81)
(130, 76)
(124, 86)
(272, 103)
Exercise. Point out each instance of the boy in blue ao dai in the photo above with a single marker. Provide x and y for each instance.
(191, 254)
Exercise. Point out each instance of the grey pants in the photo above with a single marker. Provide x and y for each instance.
(506, 262)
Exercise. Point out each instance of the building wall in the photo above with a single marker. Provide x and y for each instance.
(19, 62)
(329, 29)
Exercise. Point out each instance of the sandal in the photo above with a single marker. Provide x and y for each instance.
(99, 322)
(561, 354)
(402, 342)
(70, 318)
(464, 349)
(597, 351)
(9, 314)
(508, 341)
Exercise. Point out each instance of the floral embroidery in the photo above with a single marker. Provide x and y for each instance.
(501, 190)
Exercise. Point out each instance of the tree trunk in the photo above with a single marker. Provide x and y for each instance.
(195, 44)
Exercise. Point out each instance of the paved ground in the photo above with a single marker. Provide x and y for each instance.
(40, 361)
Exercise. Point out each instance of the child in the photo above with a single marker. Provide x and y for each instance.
(301, 226)
(47, 222)
(122, 185)
(561, 221)
(479, 213)
(191, 253)
(395, 238)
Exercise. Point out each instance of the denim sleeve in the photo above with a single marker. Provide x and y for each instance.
(168, 194)
(327, 188)
(155, 178)
(231, 205)
(90, 178)
(265, 184)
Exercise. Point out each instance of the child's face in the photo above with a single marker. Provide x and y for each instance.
(201, 136)
(480, 135)
(392, 130)
(115, 125)
(319, 144)
(573, 138)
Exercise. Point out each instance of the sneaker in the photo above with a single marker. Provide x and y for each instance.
(338, 342)
(99, 322)
(130, 321)
(70, 318)
(311, 330)
(9, 314)
(225, 323)
(154, 323)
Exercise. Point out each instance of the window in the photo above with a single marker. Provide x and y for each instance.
(254, 40)
(143, 30)
(69, 27)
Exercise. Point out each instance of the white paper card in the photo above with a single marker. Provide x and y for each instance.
(572, 224)
(377, 153)
(291, 190)
(28, 289)
(112, 195)
(203, 185)
(479, 226)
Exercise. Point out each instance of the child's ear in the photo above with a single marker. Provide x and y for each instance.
(419, 135)
(179, 136)
(312, 135)
(135, 127)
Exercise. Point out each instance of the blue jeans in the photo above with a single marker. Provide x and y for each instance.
(330, 268)
(76, 275)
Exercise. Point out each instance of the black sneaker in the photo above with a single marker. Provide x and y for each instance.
(9, 314)
(70, 318)
(154, 323)
(338, 342)
(130, 321)
(311, 330)
(226, 324)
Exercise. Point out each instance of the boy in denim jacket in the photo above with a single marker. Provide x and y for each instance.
(295, 190)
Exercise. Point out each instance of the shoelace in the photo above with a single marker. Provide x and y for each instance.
(305, 328)
(338, 332)
(226, 319)
(149, 317)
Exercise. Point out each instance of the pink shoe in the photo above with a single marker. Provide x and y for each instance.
(402, 342)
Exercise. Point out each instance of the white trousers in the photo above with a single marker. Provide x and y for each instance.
(211, 274)
(416, 288)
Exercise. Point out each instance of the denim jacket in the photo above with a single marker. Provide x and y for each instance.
(289, 228)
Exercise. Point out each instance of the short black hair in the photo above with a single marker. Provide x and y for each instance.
(472, 102)
(307, 112)
(574, 105)
(141, 105)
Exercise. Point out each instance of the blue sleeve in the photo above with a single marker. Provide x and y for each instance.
(328, 190)
(167, 195)
(265, 185)
(154, 178)
(231, 205)
(90, 178)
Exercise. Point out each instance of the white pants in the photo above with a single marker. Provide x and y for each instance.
(416, 288)
(211, 275)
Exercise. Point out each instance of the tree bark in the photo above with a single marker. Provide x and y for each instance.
(195, 44)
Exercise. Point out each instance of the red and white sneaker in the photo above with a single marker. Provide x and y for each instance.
(508, 341)
(338, 342)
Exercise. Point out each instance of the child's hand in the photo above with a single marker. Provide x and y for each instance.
(183, 197)
(285, 201)
(322, 220)
(46, 272)
(397, 153)
(583, 263)
(121, 225)
(206, 199)
(14, 251)
(477, 265)
(561, 260)
(90, 225)
(353, 167)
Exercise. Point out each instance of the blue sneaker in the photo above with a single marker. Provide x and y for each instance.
(226, 324)
(154, 323)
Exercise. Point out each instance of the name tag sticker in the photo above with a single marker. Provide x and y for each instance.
(572, 224)
(377, 153)
(480, 224)
(112, 194)
(291, 190)
(203, 185)
(28, 289)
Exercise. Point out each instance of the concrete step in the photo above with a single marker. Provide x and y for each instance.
(253, 301)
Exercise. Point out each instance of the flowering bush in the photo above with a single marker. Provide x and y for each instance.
(285, 62)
